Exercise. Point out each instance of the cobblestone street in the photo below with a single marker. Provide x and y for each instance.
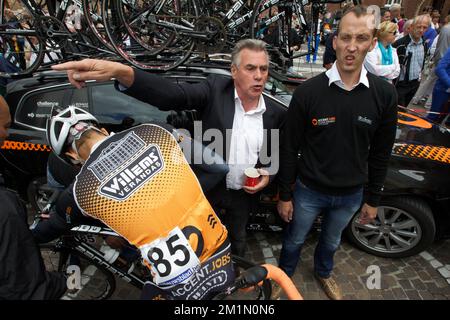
(411, 278)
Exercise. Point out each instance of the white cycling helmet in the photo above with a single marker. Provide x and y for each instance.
(58, 126)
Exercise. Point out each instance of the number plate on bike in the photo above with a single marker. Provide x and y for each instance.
(172, 258)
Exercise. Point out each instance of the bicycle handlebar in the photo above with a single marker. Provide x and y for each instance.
(257, 274)
(282, 279)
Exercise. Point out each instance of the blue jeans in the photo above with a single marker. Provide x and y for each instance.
(308, 204)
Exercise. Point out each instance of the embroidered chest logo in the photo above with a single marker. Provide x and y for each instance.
(365, 120)
(323, 121)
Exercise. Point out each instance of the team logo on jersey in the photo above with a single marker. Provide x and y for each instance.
(128, 180)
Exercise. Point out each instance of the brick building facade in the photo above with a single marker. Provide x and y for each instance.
(410, 6)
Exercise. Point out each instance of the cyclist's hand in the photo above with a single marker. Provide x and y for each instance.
(263, 182)
(285, 210)
(100, 70)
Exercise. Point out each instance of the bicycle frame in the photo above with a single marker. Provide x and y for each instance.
(78, 240)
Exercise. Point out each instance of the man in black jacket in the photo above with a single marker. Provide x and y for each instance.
(235, 108)
(411, 51)
(22, 271)
(342, 123)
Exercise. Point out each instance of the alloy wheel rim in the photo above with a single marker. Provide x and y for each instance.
(393, 231)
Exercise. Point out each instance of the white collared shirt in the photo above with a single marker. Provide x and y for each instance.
(334, 77)
(246, 141)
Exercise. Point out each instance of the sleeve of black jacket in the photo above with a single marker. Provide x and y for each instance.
(381, 149)
(290, 145)
(167, 95)
(22, 271)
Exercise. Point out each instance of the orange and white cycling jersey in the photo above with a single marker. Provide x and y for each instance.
(139, 183)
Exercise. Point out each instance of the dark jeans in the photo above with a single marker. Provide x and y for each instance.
(236, 205)
(308, 204)
(406, 91)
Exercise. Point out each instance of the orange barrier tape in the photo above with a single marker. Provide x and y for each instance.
(278, 275)
(24, 146)
(440, 154)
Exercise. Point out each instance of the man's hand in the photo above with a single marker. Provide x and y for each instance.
(285, 210)
(263, 182)
(100, 70)
(368, 214)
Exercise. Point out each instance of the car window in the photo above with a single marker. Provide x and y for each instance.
(36, 106)
(111, 106)
(77, 98)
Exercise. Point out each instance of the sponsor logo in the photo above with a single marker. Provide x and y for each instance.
(365, 120)
(323, 121)
(127, 181)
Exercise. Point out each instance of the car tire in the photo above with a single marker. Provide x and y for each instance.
(404, 227)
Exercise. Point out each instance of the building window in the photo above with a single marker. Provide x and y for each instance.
(391, 2)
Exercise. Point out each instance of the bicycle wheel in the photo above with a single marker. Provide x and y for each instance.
(89, 280)
(262, 292)
(21, 49)
(92, 11)
(158, 32)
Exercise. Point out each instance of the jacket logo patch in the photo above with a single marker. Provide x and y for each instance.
(128, 180)
(323, 121)
(365, 120)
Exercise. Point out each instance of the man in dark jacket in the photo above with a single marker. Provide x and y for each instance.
(234, 108)
(411, 51)
(22, 271)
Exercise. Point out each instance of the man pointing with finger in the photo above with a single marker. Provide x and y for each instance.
(233, 105)
(342, 123)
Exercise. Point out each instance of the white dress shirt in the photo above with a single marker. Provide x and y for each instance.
(246, 141)
(334, 77)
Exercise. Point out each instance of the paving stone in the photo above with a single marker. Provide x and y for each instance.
(399, 293)
(424, 275)
(267, 252)
(444, 272)
(405, 284)
(271, 261)
(388, 295)
(418, 285)
(426, 256)
(263, 243)
(413, 295)
(436, 264)
(426, 295)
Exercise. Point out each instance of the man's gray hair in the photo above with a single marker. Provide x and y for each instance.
(407, 24)
(251, 44)
(395, 6)
(421, 18)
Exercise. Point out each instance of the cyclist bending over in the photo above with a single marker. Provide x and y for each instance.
(139, 183)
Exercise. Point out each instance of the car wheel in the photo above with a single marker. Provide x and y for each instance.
(404, 227)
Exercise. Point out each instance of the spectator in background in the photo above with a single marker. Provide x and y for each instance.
(442, 44)
(430, 34)
(382, 61)
(385, 15)
(441, 90)
(406, 29)
(396, 10)
(411, 51)
(435, 18)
